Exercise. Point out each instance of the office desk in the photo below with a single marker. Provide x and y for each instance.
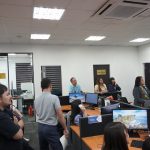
(75, 137)
(66, 108)
(95, 143)
(75, 131)
(93, 112)
(88, 111)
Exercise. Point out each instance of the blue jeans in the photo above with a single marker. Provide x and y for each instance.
(48, 135)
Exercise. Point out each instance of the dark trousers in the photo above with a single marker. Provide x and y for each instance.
(48, 135)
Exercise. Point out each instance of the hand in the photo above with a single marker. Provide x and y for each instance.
(15, 120)
(66, 133)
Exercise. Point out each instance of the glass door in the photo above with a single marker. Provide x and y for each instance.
(4, 69)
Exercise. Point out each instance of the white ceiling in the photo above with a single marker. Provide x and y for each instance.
(78, 22)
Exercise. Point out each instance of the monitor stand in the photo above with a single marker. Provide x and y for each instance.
(133, 134)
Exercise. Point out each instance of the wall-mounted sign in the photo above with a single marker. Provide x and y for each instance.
(2, 75)
(101, 72)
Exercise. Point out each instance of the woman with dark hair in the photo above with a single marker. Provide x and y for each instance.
(113, 86)
(115, 137)
(140, 92)
(77, 111)
(100, 86)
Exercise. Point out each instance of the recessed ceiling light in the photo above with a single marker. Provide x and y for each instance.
(12, 54)
(94, 38)
(140, 40)
(40, 36)
(47, 13)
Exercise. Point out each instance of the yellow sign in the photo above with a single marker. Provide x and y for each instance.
(2, 75)
(101, 72)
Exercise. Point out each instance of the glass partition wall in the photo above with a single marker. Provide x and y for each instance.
(16, 72)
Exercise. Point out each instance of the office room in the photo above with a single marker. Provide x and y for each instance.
(85, 35)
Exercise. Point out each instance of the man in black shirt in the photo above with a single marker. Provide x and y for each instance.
(10, 133)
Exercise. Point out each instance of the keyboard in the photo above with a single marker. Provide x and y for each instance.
(90, 107)
(136, 143)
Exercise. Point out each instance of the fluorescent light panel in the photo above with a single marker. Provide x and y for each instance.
(140, 40)
(40, 36)
(94, 38)
(47, 13)
(12, 54)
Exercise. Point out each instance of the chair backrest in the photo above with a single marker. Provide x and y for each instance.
(124, 99)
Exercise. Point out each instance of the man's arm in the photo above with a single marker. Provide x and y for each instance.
(62, 120)
(18, 135)
(9, 129)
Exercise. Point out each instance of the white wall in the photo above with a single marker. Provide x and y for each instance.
(144, 55)
(78, 61)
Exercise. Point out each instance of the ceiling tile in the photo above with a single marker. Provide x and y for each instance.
(17, 2)
(9, 11)
(86, 4)
(52, 3)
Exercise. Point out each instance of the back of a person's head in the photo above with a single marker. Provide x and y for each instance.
(3, 88)
(45, 83)
(137, 81)
(146, 144)
(115, 137)
(75, 110)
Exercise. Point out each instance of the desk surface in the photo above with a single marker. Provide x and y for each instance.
(93, 112)
(95, 142)
(66, 108)
(88, 111)
(75, 129)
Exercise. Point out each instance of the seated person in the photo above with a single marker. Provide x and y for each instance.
(140, 92)
(115, 137)
(77, 111)
(100, 86)
(113, 86)
(146, 144)
(74, 87)
(11, 134)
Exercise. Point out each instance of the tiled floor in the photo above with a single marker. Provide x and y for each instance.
(31, 133)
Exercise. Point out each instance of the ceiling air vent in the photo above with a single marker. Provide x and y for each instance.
(122, 9)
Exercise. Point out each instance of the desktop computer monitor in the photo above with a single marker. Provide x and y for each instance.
(109, 109)
(132, 119)
(91, 98)
(76, 96)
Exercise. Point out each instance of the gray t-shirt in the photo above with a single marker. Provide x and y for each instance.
(45, 106)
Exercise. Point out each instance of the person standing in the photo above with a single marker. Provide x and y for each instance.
(48, 112)
(140, 92)
(74, 87)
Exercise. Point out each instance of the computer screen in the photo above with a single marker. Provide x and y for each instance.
(109, 109)
(91, 98)
(133, 119)
(76, 96)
